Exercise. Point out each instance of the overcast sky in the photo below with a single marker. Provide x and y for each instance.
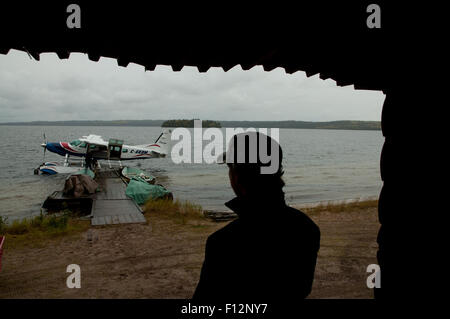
(79, 89)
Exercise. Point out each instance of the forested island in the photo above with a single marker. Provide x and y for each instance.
(190, 123)
(332, 125)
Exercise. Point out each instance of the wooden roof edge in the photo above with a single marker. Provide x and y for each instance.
(342, 78)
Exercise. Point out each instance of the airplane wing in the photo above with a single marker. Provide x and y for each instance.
(94, 139)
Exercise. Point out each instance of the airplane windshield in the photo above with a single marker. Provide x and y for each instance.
(75, 143)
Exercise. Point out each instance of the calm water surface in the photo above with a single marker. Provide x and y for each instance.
(320, 165)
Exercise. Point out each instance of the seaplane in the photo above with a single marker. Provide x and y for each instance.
(92, 148)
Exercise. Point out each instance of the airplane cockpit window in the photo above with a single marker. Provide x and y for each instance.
(83, 145)
(124, 150)
(75, 143)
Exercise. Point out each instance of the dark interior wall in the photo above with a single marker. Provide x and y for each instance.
(331, 40)
(410, 238)
(396, 209)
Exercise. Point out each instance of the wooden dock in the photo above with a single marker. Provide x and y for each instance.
(109, 206)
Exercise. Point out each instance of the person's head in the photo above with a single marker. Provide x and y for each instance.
(255, 166)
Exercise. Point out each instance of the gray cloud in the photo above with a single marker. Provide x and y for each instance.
(78, 88)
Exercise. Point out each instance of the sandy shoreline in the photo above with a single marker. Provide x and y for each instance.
(163, 258)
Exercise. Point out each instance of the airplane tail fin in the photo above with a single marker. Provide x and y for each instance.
(163, 141)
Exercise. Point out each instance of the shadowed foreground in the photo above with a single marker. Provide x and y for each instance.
(163, 259)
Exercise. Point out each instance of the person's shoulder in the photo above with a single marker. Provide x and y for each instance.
(225, 232)
(299, 219)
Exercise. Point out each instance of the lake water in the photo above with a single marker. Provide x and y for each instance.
(320, 165)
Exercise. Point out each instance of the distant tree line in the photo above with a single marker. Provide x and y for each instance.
(333, 125)
(189, 123)
(91, 123)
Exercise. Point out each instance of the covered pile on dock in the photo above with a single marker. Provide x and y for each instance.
(140, 191)
(80, 183)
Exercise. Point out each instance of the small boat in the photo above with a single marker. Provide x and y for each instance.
(219, 216)
(130, 172)
(52, 168)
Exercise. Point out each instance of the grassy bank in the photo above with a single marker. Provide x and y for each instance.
(180, 212)
(38, 230)
(333, 207)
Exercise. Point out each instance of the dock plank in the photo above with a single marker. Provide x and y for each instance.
(111, 205)
(138, 218)
(122, 219)
(134, 218)
(115, 219)
(108, 220)
(128, 218)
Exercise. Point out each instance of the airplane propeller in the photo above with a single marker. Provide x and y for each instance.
(44, 145)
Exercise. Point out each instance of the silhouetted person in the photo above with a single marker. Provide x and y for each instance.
(90, 161)
(269, 252)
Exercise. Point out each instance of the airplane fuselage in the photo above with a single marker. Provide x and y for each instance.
(127, 153)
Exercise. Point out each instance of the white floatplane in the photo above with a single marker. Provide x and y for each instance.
(92, 148)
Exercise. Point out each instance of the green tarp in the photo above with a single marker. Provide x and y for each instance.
(141, 191)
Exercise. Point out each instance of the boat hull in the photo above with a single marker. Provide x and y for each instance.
(130, 172)
(57, 169)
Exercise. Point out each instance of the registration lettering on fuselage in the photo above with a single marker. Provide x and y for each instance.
(139, 151)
